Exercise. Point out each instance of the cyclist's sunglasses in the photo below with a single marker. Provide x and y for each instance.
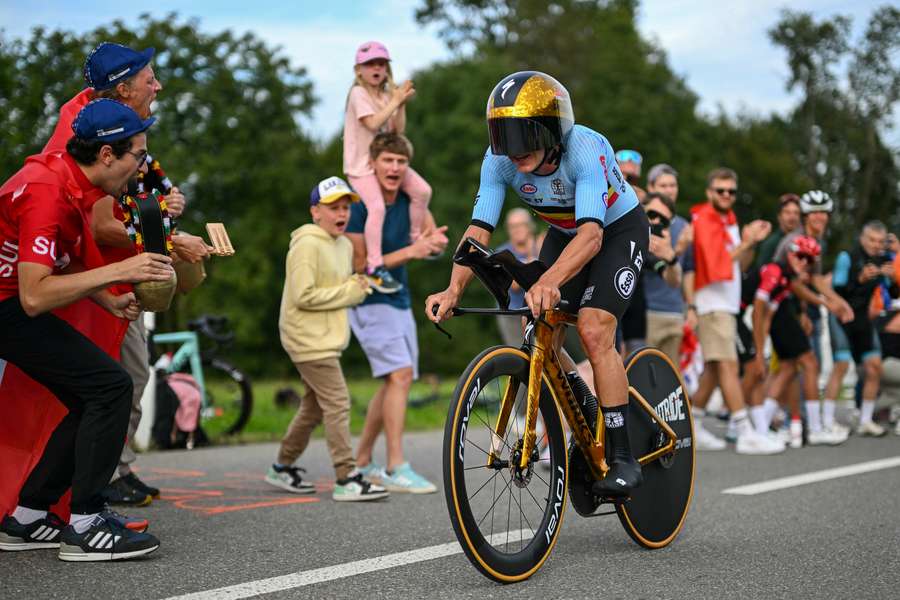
(629, 156)
(726, 191)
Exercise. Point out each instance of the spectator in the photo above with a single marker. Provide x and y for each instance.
(721, 253)
(664, 297)
(630, 164)
(42, 210)
(375, 105)
(384, 324)
(856, 276)
(788, 221)
(523, 244)
(120, 73)
(319, 287)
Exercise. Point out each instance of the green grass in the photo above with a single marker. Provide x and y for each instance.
(269, 422)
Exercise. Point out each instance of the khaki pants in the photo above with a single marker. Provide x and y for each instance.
(718, 333)
(135, 359)
(665, 330)
(327, 400)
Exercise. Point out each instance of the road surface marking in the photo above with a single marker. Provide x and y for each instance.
(369, 565)
(814, 477)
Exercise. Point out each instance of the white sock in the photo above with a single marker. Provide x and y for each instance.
(740, 421)
(771, 406)
(758, 415)
(81, 523)
(27, 516)
(866, 412)
(814, 415)
(698, 413)
(828, 407)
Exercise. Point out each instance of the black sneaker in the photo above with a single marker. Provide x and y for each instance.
(135, 482)
(289, 478)
(43, 533)
(105, 539)
(381, 280)
(120, 492)
(622, 477)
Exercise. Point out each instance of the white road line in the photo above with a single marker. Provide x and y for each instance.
(814, 477)
(304, 578)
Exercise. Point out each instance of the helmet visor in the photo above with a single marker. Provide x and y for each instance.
(512, 136)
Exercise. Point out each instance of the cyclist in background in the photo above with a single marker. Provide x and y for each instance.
(596, 245)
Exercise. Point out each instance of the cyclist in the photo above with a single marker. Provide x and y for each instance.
(596, 245)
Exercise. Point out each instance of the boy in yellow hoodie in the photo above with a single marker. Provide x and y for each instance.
(319, 287)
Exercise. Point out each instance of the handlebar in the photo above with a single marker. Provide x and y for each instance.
(212, 326)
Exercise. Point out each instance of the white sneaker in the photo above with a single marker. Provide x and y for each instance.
(784, 435)
(705, 440)
(750, 442)
(841, 429)
(825, 437)
(870, 429)
(795, 434)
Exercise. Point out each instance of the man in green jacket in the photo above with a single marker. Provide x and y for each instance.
(319, 287)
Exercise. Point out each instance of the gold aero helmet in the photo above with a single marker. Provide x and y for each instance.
(527, 111)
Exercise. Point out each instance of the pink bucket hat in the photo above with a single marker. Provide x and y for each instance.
(371, 51)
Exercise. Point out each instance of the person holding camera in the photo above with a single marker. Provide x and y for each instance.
(856, 276)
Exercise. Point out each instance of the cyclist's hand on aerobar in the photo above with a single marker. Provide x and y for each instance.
(439, 307)
(191, 248)
(146, 266)
(542, 296)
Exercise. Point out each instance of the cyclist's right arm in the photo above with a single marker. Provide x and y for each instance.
(488, 203)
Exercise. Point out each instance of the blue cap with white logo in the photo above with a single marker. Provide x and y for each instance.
(331, 189)
(109, 63)
(107, 120)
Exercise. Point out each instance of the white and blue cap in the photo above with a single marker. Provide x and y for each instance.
(109, 63)
(331, 189)
(107, 120)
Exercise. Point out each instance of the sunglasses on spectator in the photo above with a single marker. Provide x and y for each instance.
(629, 156)
(726, 191)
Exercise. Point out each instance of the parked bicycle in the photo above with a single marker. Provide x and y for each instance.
(506, 513)
(226, 391)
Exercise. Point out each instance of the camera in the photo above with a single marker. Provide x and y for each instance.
(658, 222)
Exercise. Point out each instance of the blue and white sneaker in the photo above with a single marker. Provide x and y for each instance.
(404, 479)
(43, 533)
(372, 471)
(105, 539)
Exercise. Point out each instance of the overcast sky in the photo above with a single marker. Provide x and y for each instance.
(719, 47)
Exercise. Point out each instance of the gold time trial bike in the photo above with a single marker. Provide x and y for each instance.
(508, 468)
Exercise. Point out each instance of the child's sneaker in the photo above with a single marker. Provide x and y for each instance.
(43, 533)
(381, 280)
(289, 478)
(404, 479)
(356, 489)
(372, 471)
(105, 539)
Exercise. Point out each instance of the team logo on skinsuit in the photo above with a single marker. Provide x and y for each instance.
(528, 188)
(625, 280)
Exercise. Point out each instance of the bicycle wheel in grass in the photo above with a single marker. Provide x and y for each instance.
(229, 399)
(657, 509)
(505, 518)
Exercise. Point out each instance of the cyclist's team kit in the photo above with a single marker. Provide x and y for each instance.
(587, 186)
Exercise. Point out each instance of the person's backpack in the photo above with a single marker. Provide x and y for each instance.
(177, 419)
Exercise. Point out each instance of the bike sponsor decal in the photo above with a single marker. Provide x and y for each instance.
(528, 188)
(639, 261)
(682, 443)
(625, 282)
(462, 428)
(588, 294)
(557, 502)
(506, 87)
(672, 407)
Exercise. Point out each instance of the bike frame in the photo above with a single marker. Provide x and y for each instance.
(545, 366)
(188, 351)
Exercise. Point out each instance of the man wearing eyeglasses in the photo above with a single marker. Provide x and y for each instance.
(721, 253)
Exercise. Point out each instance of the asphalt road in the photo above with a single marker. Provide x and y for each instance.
(221, 525)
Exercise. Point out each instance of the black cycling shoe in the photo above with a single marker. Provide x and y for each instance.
(120, 492)
(43, 533)
(622, 477)
(105, 539)
(135, 482)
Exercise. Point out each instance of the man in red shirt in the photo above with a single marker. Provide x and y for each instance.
(120, 73)
(49, 260)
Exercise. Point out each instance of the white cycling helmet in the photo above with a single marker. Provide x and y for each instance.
(815, 201)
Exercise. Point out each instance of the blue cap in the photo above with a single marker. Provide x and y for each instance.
(331, 189)
(108, 121)
(109, 63)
